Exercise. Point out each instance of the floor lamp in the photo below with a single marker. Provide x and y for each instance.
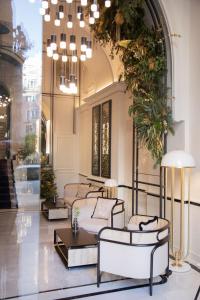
(111, 186)
(182, 162)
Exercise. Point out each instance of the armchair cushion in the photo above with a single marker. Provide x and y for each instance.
(74, 191)
(83, 189)
(103, 208)
(137, 260)
(137, 219)
(93, 225)
(115, 218)
(142, 237)
(149, 225)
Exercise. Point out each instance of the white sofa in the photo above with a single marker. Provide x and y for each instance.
(135, 253)
(93, 217)
(73, 191)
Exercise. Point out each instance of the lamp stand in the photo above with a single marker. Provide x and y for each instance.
(178, 264)
(111, 192)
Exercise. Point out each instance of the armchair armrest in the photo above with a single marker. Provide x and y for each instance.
(70, 189)
(96, 194)
(114, 235)
(117, 218)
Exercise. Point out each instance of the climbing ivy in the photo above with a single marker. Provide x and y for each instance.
(142, 52)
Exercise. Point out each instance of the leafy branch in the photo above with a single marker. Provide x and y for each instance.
(142, 53)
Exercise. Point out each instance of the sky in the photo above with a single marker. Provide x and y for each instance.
(27, 14)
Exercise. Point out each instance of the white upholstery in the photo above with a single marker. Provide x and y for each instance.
(134, 260)
(69, 200)
(146, 238)
(134, 221)
(74, 191)
(103, 208)
(86, 221)
(82, 190)
(93, 225)
(86, 207)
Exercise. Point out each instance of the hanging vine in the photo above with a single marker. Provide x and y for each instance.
(141, 49)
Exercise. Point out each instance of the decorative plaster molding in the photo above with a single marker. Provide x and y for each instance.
(105, 93)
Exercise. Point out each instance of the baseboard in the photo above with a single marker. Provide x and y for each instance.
(194, 259)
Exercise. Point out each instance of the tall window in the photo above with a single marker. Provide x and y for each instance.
(101, 139)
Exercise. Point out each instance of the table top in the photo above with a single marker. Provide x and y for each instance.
(52, 205)
(81, 238)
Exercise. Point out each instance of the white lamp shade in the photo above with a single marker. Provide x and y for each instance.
(178, 159)
(110, 182)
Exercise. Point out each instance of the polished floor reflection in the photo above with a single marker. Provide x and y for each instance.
(31, 269)
(28, 261)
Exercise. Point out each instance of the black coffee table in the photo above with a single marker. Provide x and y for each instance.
(78, 249)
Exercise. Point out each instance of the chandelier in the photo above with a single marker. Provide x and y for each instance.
(2, 117)
(69, 47)
(4, 101)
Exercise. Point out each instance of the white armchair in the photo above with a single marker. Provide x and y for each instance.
(98, 212)
(73, 191)
(138, 254)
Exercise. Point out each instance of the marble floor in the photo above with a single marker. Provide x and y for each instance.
(31, 269)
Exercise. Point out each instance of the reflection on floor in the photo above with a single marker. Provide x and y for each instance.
(29, 265)
(28, 261)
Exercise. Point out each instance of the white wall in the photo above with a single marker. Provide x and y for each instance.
(183, 18)
(65, 141)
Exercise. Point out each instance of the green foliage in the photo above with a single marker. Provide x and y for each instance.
(29, 146)
(48, 188)
(143, 55)
(76, 212)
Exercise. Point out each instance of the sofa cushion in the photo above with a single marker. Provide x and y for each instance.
(83, 189)
(103, 208)
(151, 224)
(136, 220)
(148, 237)
(93, 225)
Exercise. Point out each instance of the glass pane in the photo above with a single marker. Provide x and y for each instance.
(20, 93)
(106, 139)
(96, 117)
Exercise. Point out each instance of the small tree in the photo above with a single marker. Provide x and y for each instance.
(48, 188)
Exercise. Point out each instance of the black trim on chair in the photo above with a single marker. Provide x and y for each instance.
(118, 203)
(197, 294)
(159, 243)
(119, 212)
(148, 222)
(93, 192)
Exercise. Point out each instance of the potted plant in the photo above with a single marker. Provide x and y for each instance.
(76, 212)
(48, 188)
